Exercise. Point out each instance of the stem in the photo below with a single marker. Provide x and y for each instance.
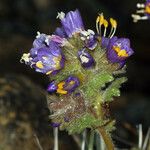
(140, 136)
(107, 139)
(83, 140)
(91, 141)
(55, 138)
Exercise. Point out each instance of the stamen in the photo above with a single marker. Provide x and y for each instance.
(120, 52)
(61, 84)
(105, 25)
(97, 24)
(60, 88)
(101, 22)
(114, 31)
(49, 72)
(72, 82)
(114, 26)
(113, 22)
(57, 62)
(101, 19)
(116, 49)
(60, 91)
(123, 53)
(97, 20)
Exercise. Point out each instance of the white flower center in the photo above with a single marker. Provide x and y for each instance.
(60, 15)
(84, 59)
(26, 58)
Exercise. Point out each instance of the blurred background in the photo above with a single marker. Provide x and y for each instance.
(23, 110)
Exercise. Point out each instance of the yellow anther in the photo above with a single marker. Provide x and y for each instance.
(105, 23)
(101, 19)
(72, 82)
(61, 84)
(60, 88)
(57, 62)
(49, 72)
(120, 53)
(81, 77)
(147, 8)
(113, 22)
(123, 53)
(116, 49)
(60, 91)
(39, 64)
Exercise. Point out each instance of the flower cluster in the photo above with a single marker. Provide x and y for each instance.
(143, 12)
(79, 63)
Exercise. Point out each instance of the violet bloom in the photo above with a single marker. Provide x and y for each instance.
(104, 42)
(55, 38)
(119, 50)
(147, 8)
(52, 87)
(86, 59)
(89, 39)
(71, 22)
(68, 85)
(60, 32)
(40, 40)
(47, 59)
(55, 124)
(91, 43)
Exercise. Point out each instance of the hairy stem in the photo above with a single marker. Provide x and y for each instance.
(83, 140)
(55, 138)
(107, 139)
(91, 141)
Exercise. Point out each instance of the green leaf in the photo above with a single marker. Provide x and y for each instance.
(113, 89)
(85, 121)
(98, 81)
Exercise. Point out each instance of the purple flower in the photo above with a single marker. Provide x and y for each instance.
(89, 39)
(71, 22)
(147, 8)
(104, 42)
(55, 124)
(68, 85)
(91, 43)
(118, 50)
(86, 59)
(40, 40)
(46, 59)
(52, 87)
(55, 38)
(60, 32)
